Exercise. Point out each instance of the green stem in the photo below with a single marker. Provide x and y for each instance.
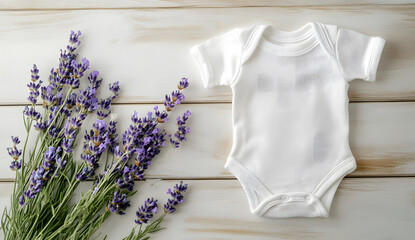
(68, 194)
(24, 147)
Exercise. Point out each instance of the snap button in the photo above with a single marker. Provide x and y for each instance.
(284, 197)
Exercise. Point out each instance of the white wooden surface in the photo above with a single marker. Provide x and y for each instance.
(145, 45)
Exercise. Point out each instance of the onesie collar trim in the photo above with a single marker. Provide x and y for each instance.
(310, 30)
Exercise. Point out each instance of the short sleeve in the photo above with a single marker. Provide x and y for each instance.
(219, 59)
(358, 54)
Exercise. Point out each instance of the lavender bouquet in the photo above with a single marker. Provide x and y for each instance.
(48, 173)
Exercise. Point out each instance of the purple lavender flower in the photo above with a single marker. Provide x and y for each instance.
(67, 145)
(112, 136)
(183, 84)
(105, 108)
(96, 143)
(146, 211)
(35, 73)
(74, 41)
(39, 126)
(69, 130)
(134, 141)
(79, 69)
(54, 131)
(65, 112)
(86, 100)
(135, 119)
(93, 80)
(119, 155)
(168, 103)
(15, 141)
(114, 88)
(30, 112)
(126, 181)
(118, 204)
(60, 164)
(13, 151)
(53, 111)
(174, 99)
(177, 97)
(42, 125)
(105, 103)
(148, 147)
(50, 95)
(36, 183)
(161, 116)
(182, 130)
(70, 103)
(43, 172)
(21, 201)
(63, 71)
(173, 142)
(85, 173)
(15, 154)
(15, 165)
(72, 126)
(73, 82)
(177, 197)
(52, 155)
(137, 171)
(33, 86)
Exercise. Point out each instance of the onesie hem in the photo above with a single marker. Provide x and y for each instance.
(251, 184)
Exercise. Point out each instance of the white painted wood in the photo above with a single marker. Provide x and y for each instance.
(148, 49)
(145, 45)
(106, 4)
(370, 209)
(381, 136)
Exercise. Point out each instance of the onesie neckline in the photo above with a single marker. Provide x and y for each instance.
(299, 41)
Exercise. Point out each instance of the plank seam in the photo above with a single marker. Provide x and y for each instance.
(214, 102)
(232, 178)
(203, 7)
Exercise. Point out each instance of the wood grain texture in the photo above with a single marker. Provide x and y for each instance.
(144, 48)
(108, 4)
(381, 139)
(369, 209)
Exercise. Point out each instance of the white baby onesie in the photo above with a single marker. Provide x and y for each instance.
(290, 110)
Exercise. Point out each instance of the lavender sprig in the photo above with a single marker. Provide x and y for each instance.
(118, 204)
(176, 97)
(149, 209)
(146, 211)
(182, 130)
(144, 139)
(177, 197)
(15, 153)
(33, 86)
(95, 144)
(43, 173)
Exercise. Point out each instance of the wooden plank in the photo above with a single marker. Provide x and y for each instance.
(148, 49)
(371, 209)
(381, 138)
(109, 4)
